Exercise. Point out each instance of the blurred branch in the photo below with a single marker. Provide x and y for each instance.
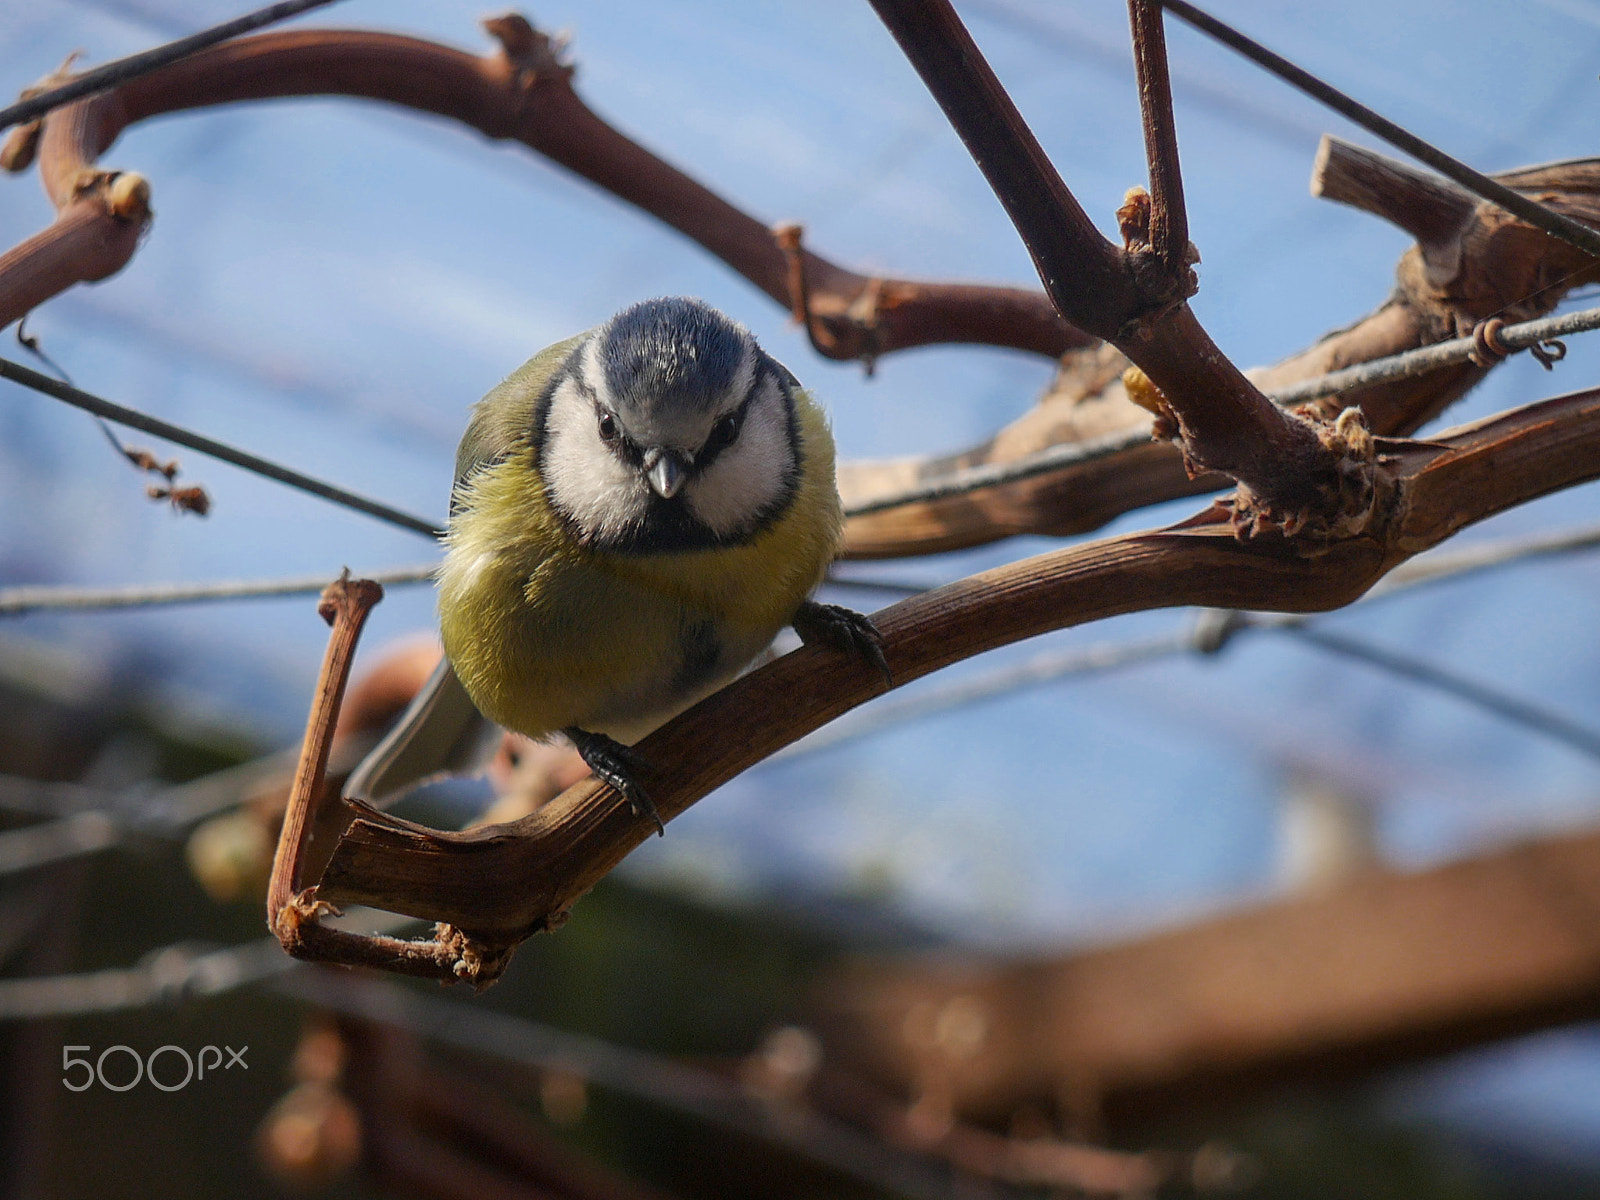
(1424, 493)
(164, 976)
(134, 419)
(523, 93)
(652, 1078)
(1383, 968)
(134, 65)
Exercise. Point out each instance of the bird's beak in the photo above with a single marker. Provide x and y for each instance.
(666, 470)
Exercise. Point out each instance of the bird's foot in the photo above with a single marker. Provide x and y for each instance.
(844, 630)
(616, 765)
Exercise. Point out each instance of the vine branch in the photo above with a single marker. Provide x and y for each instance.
(1428, 492)
(523, 93)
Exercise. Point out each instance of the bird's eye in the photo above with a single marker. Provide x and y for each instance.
(608, 427)
(723, 432)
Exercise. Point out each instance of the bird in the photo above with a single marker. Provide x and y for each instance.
(636, 512)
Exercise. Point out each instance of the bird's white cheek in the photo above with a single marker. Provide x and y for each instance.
(582, 477)
(746, 478)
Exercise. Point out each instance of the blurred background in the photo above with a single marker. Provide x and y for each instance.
(331, 283)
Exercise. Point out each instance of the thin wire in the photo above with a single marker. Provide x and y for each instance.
(15, 601)
(134, 65)
(1430, 358)
(134, 419)
(1520, 712)
(1531, 211)
(1035, 672)
(87, 821)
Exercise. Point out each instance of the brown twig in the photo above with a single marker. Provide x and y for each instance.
(294, 911)
(344, 605)
(522, 93)
(788, 238)
(1433, 210)
(1425, 492)
(1169, 221)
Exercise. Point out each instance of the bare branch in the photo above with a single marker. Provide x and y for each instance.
(1432, 210)
(1496, 266)
(1169, 222)
(523, 93)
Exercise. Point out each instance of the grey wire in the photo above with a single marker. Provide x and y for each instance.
(1530, 716)
(134, 419)
(1429, 358)
(123, 69)
(15, 601)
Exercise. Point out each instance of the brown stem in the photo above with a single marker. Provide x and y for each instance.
(1431, 209)
(345, 605)
(1426, 492)
(1169, 222)
(295, 912)
(1082, 272)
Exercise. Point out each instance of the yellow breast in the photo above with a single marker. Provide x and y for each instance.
(545, 634)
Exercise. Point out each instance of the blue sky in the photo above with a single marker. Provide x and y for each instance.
(331, 284)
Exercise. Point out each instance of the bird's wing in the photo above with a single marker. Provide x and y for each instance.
(440, 733)
(509, 415)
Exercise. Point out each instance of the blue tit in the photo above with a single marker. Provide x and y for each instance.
(636, 512)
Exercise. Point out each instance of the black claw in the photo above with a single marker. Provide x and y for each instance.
(845, 630)
(616, 765)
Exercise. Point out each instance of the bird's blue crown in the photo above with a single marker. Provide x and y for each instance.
(673, 351)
